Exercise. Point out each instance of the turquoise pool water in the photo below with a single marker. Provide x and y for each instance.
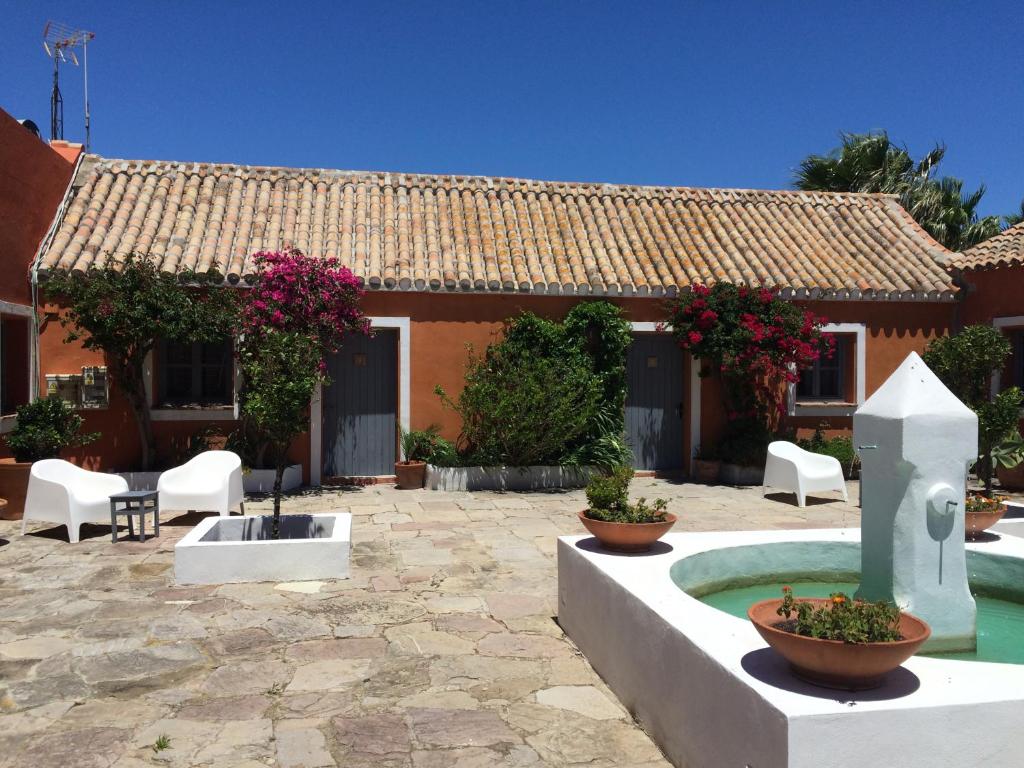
(1000, 622)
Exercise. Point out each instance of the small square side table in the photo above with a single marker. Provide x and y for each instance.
(136, 503)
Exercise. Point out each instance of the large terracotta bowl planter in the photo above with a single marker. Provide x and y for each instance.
(1011, 479)
(627, 537)
(976, 523)
(13, 487)
(410, 474)
(833, 663)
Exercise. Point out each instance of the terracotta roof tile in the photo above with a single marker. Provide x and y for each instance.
(433, 233)
(1004, 250)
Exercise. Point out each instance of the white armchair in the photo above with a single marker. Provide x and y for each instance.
(59, 492)
(210, 482)
(789, 467)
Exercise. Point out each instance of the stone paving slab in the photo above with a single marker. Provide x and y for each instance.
(441, 650)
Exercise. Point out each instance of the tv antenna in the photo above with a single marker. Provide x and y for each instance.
(59, 42)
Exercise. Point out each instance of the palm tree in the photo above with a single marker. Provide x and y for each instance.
(871, 162)
(1015, 218)
(866, 162)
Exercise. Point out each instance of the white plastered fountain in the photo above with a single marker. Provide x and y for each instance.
(711, 694)
(916, 440)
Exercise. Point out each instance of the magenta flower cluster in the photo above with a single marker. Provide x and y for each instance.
(296, 293)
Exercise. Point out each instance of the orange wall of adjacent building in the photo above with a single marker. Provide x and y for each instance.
(33, 179)
(996, 292)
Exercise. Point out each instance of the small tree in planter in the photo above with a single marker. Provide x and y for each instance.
(298, 311)
(759, 343)
(44, 428)
(965, 363)
(126, 307)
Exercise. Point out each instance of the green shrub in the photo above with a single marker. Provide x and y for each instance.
(607, 495)
(44, 428)
(839, 447)
(427, 445)
(965, 363)
(745, 442)
(562, 386)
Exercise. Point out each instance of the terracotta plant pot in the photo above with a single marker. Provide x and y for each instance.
(1011, 479)
(627, 537)
(13, 487)
(977, 522)
(833, 663)
(705, 471)
(410, 474)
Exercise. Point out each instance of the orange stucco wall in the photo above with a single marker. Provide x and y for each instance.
(441, 328)
(993, 293)
(33, 178)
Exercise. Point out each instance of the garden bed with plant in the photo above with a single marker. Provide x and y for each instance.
(541, 407)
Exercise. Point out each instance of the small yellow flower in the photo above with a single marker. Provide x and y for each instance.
(838, 599)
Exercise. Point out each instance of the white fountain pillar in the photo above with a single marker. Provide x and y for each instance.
(916, 440)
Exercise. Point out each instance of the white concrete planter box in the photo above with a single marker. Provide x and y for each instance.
(262, 480)
(223, 550)
(505, 478)
(711, 694)
(735, 474)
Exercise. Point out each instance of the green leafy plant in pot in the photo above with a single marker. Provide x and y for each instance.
(44, 428)
(618, 523)
(420, 446)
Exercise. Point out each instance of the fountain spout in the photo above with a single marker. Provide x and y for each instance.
(913, 488)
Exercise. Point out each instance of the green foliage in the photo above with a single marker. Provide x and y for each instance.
(125, 307)
(871, 162)
(745, 442)
(44, 428)
(1010, 452)
(549, 392)
(163, 741)
(839, 447)
(607, 495)
(426, 445)
(851, 621)
(521, 409)
(965, 363)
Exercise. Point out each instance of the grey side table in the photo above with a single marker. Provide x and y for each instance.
(136, 503)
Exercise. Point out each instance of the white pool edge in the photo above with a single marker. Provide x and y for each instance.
(678, 665)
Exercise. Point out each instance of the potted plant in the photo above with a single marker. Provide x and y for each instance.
(44, 428)
(706, 465)
(982, 512)
(418, 447)
(838, 642)
(618, 524)
(1008, 458)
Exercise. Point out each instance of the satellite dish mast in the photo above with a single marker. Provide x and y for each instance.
(59, 42)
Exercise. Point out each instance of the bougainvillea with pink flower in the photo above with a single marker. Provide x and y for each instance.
(757, 341)
(299, 310)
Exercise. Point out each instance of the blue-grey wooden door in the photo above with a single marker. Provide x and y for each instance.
(654, 401)
(360, 406)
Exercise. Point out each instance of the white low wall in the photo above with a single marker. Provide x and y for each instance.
(253, 481)
(505, 478)
(712, 695)
(224, 550)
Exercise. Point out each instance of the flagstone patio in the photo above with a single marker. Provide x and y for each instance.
(441, 650)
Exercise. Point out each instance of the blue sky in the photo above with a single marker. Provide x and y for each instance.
(699, 94)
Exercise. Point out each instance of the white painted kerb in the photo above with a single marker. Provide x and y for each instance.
(678, 664)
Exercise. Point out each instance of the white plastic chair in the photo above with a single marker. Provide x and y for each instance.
(791, 468)
(59, 492)
(210, 482)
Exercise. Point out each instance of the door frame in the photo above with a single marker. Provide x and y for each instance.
(694, 390)
(316, 406)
